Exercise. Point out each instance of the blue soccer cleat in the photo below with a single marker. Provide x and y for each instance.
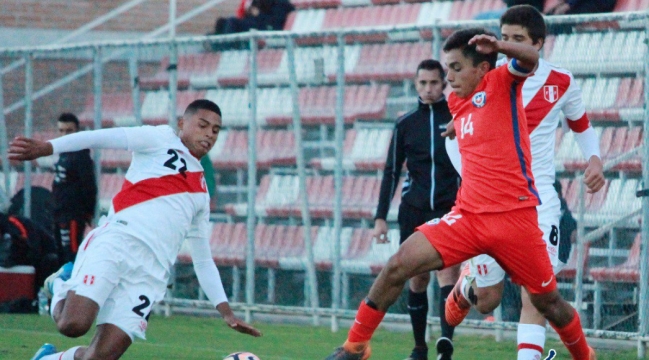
(47, 349)
(63, 273)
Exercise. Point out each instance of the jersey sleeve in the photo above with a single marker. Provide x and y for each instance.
(574, 108)
(207, 273)
(114, 138)
(146, 138)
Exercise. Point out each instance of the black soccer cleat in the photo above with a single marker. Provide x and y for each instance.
(444, 347)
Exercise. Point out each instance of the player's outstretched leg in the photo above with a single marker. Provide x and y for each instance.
(565, 321)
(45, 350)
(109, 343)
(415, 256)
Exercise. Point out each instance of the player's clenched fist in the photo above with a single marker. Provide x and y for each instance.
(22, 149)
(594, 175)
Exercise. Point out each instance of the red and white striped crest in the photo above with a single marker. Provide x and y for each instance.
(551, 93)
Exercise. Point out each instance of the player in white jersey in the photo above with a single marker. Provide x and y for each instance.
(548, 92)
(123, 266)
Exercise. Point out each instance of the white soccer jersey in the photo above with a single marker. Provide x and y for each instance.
(548, 92)
(164, 198)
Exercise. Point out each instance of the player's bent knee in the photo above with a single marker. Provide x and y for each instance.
(73, 327)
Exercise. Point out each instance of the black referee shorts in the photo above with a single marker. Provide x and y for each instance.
(410, 217)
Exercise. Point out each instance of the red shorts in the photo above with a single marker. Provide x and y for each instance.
(513, 238)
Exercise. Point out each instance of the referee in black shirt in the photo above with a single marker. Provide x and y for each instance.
(428, 192)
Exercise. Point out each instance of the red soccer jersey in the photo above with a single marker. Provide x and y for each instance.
(494, 142)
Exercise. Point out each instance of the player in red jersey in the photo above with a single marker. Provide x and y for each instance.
(495, 209)
(551, 90)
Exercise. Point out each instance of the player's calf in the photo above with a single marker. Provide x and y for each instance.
(553, 307)
(488, 298)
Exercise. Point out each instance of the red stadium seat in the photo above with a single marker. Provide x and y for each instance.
(274, 148)
(116, 109)
(595, 201)
(115, 158)
(629, 271)
(633, 141)
(631, 5)
(43, 179)
(322, 207)
(618, 142)
(606, 141)
(293, 255)
(183, 99)
(388, 62)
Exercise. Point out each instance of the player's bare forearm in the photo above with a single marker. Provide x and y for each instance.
(234, 323)
(24, 149)
(526, 55)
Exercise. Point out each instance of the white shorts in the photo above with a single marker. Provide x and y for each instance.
(487, 272)
(121, 275)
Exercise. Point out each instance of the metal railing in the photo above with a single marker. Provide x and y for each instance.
(288, 42)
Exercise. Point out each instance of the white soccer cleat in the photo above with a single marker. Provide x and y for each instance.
(63, 273)
(46, 349)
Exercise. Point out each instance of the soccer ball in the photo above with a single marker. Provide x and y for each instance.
(241, 356)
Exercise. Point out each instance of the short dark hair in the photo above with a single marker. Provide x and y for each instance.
(527, 17)
(202, 104)
(69, 118)
(460, 40)
(430, 65)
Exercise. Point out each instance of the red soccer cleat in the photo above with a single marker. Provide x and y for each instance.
(457, 307)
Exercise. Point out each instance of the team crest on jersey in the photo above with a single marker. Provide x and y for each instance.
(479, 99)
(551, 93)
(433, 222)
(203, 182)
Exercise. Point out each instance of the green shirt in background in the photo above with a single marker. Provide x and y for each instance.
(209, 175)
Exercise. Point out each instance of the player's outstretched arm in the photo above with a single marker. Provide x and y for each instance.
(22, 148)
(234, 322)
(526, 56)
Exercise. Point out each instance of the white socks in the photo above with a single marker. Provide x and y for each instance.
(66, 355)
(531, 339)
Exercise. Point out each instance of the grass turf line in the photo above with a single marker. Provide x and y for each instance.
(186, 337)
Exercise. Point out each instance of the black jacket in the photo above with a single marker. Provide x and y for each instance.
(74, 189)
(411, 142)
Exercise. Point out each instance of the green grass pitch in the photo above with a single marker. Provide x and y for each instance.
(199, 338)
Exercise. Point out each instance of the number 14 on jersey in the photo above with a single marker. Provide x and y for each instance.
(466, 126)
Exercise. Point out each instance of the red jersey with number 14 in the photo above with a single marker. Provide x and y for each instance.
(494, 143)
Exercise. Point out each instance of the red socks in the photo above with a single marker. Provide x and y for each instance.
(573, 337)
(366, 322)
